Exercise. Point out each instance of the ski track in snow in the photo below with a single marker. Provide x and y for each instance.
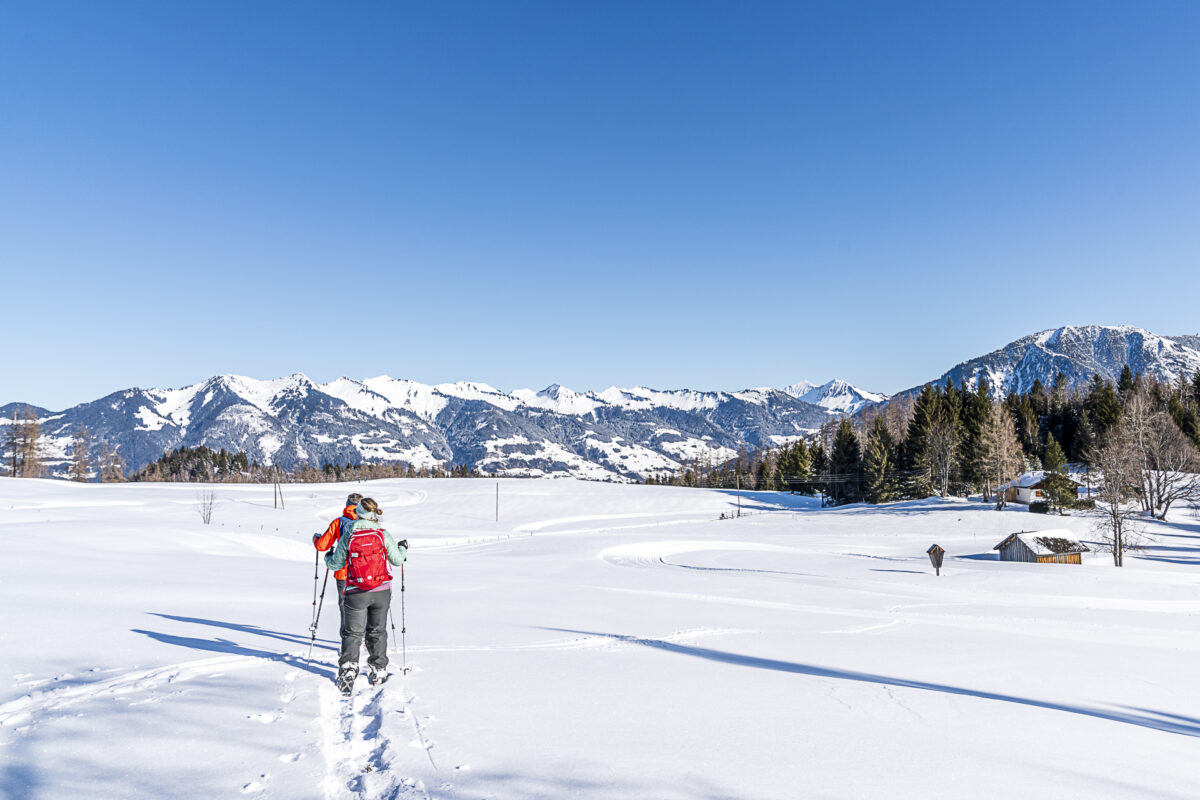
(36, 703)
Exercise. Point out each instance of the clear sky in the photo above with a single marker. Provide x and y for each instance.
(693, 194)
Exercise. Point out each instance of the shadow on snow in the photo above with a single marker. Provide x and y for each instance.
(1142, 717)
(221, 645)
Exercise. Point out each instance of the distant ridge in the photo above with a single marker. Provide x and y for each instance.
(616, 434)
(1078, 352)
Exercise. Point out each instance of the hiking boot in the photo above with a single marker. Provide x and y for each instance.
(377, 676)
(346, 676)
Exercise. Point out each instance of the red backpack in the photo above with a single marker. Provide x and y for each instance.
(366, 560)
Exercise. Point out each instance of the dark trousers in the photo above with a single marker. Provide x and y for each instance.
(364, 615)
(341, 588)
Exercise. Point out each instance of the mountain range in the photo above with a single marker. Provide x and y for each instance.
(616, 434)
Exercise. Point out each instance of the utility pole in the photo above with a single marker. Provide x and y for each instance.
(277, 494)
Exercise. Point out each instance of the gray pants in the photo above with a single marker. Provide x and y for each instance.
(364, 615)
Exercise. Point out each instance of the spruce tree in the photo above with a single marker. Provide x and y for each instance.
(1060, 490)
(879, 464)
(845, 464)
(1127, 381)
(917, 457)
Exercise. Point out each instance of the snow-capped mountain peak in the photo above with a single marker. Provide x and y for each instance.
(1078, 352)
(836, 397)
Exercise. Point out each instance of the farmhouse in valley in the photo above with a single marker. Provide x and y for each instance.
(1030, 488)
(1042, 547)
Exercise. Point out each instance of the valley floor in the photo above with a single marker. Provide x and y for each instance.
(599, 641)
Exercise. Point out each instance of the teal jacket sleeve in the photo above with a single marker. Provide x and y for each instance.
(335, 559)
(396, 554)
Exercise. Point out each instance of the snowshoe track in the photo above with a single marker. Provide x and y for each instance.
(368, 744)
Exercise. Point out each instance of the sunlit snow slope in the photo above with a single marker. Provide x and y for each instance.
(598, 641)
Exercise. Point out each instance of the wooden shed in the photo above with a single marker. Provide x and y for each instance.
(1042, 547)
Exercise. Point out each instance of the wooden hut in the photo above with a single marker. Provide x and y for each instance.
(1030, 488)
(1042, 547)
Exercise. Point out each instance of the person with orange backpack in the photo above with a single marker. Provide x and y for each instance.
(365, 550)
(333, 533)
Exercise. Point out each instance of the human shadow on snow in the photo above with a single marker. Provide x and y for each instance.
(1142, 717)
(233, 648)
(227, 646)
(290, 638)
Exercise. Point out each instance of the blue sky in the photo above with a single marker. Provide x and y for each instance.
(709, 195)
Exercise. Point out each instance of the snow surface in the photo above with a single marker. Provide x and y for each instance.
(599, 641)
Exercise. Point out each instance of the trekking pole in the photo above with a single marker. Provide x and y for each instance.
(316, 572)
(316, 619)
(403, 624)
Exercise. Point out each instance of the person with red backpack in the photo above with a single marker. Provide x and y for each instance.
(365, 549)
(333, 533)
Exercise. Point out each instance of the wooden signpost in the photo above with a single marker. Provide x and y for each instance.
(935, 556)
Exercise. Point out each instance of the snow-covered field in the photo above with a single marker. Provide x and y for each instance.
(600, 641)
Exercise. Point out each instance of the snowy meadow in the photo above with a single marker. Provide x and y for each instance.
(597, 641)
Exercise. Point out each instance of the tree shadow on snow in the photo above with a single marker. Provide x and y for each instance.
(1142, 717)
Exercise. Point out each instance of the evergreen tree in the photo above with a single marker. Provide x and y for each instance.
(1060, 490)
(879, 464)
(976, 408)
(845, 465)
(1103, 406)
(917, 445)
(1126, 383)
(820, 467)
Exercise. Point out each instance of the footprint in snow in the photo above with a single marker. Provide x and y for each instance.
(289, 758)
(266, 718)
(256, 786)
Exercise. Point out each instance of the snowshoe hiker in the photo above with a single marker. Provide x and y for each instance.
(365, 550)
(333, 533)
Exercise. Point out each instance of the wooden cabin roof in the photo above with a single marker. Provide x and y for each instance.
(1046, 543)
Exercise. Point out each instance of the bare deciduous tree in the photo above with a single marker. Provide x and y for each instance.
(23, 445)
(1170, 465)
(112, 466)
(943, 441)
(1001, 449)
(205, 500)
(1119, 462)
(81, 462)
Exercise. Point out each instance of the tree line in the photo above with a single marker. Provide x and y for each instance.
(958, 440)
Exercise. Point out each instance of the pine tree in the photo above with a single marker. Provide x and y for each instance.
(1103, 406)
(845, 464)
(879, 463)
(1127, 381)
(917, 460)
(976, 408)
(1060, 490)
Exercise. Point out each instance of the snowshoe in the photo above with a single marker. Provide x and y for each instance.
(346, 677)
(377, 677)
